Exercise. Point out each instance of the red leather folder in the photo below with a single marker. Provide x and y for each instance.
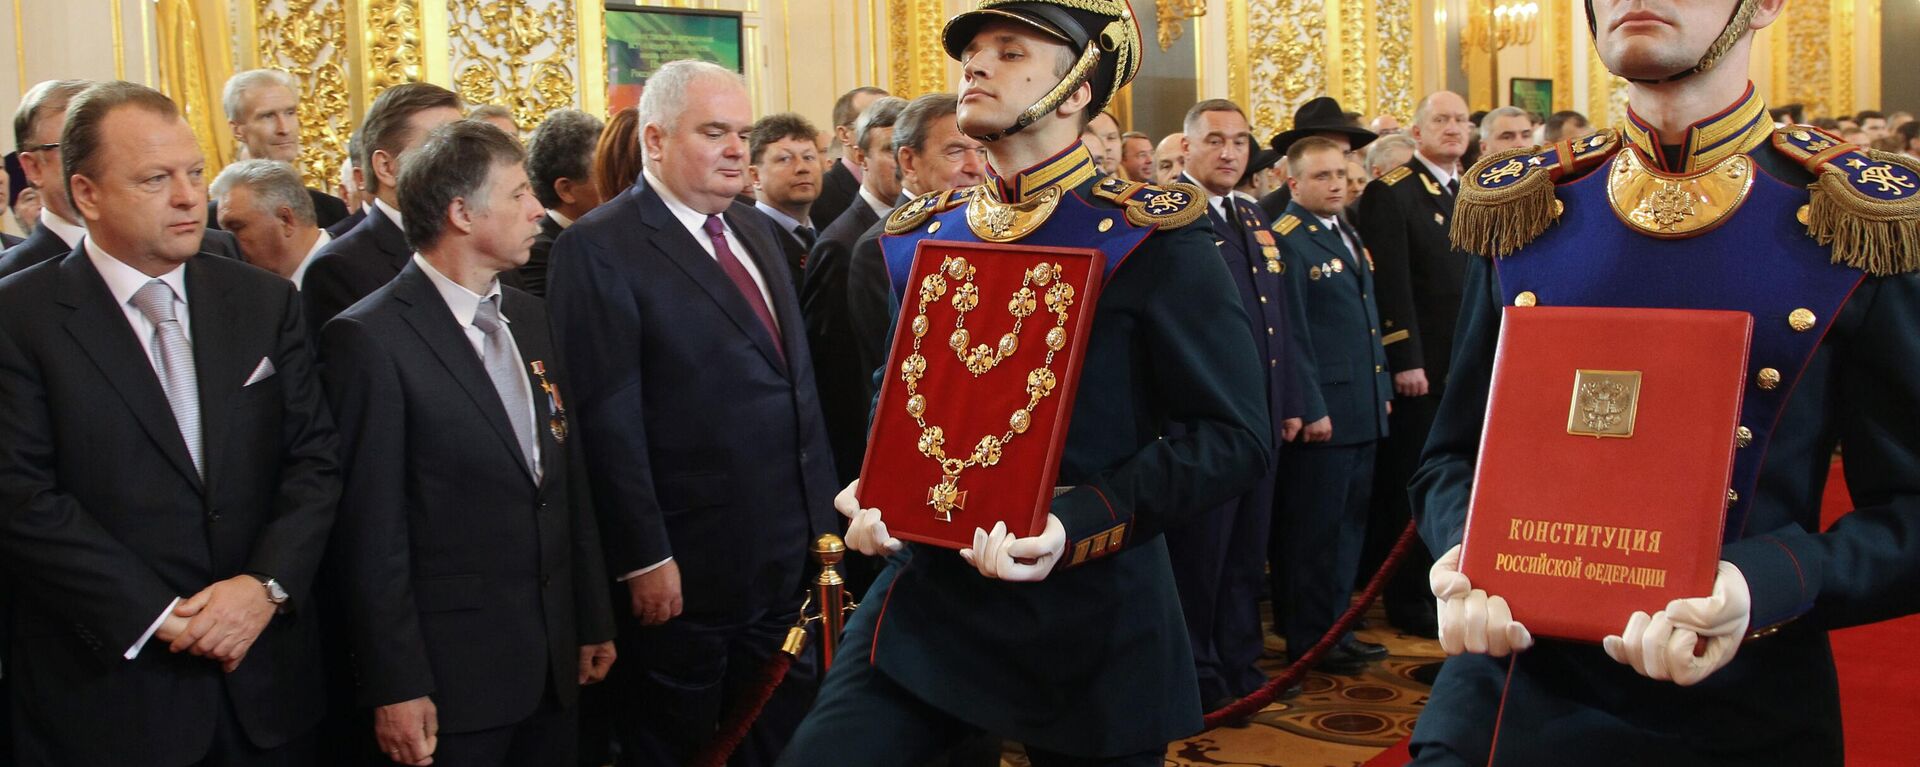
(900, 480)
(1602, 483)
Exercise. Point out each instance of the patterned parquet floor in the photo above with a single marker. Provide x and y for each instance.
(1339, 721)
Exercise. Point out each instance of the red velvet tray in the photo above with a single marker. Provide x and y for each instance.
(901, 480)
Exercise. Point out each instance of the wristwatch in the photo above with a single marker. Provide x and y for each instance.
(275, 594)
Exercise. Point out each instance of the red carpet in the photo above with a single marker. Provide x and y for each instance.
(1879, 683)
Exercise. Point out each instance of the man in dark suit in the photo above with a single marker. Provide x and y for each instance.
(478, 595)
(168, 476)
(36, 130)
(846, 388)
(694, 398)
(353, 182)
(1220, 557)
(360, 261)
(841, 185)
(783, 176)
(1404, 216)
(263, 109)
(1326, 476)
(560, 162)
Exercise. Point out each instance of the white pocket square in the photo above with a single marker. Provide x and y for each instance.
(261, 372)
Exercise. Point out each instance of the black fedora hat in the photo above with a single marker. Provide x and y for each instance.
(1321, 115)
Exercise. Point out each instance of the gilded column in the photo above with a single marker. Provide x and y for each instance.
(1839, 51)
(520, 54)
(1561, 17)
(308, 39)
(391, 45)
(918, 62)
(1394, 74)
(1286, 58)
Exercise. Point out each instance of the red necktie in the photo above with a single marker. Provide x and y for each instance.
(743, 281)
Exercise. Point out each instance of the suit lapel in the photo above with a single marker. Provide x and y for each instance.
(217, 360)
(100, 328)
(390, 238)
(429, 316)
(1441, 203)
(786, 307)
(677, 245)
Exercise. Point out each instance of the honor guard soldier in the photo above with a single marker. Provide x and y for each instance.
(1085, 660)
(1698, 203)
(1327, 476)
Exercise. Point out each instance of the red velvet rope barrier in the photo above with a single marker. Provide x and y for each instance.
(742, 717)
(1259, 699)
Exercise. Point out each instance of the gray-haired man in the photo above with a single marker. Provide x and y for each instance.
(263, 108)
(263, 204)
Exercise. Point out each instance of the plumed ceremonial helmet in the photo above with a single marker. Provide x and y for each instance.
(1736, 26)
(1103, 34)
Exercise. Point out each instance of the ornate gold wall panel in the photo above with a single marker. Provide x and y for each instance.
(1395, 74)
(1562, 17)
(1803, 70)
(1286, 58)
(308, 39)
(391, 48)
(520, 54)
(918, 64)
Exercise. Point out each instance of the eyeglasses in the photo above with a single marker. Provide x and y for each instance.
(39, 147)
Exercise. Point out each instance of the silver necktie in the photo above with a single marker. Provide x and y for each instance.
(503, 366)
(172, 353)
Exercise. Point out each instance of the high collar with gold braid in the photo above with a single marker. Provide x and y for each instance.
(1007, 208)
(1735, 130)
(1865, 203)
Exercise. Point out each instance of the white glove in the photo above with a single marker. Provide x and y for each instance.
(1000, 555)
(1692, 638)
(1471, 620)
(865, 532)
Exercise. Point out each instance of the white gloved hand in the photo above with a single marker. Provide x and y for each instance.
(865, 532)
(1000, 555)
(1692, 638)
(1471, 620)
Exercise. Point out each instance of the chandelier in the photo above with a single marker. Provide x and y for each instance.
(1504, 26)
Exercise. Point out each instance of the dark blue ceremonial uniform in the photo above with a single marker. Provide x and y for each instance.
(1220, 556)
(1170, 421)
(1835, 360)
(1324, 486)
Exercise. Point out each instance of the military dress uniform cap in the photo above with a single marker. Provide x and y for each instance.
(1108, 26)
(1322, 115)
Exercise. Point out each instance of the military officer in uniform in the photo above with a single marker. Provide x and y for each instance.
(1326, 476)
(1404, 216)
(1815, 239)
(1070, 641)
(1220, 557)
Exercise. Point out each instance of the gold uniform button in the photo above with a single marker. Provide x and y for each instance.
(1768, 380)
(1105, 224)
(1377, 369)
(1802, 320)
(1273, 363)
(1269, 331)
(1376, 331)
(1732, 497)
(1743, 436)
(1263, 299)
(933, 228)
(1526, 298)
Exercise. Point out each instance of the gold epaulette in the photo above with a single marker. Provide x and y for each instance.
(910, 216)
(1166, 207)
(1507, 199)
(1286, 224)
(1396, 175)
(1865, 203)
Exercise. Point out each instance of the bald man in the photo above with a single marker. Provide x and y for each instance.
(1170, 158)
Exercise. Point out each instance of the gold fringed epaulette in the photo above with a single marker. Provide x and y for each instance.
(1507, 200)
(1165, 207)
(1864, 203)
(910, 216)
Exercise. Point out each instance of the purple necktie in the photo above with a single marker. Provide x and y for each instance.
(743, 281)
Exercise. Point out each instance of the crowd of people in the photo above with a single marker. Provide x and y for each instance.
(510, 449)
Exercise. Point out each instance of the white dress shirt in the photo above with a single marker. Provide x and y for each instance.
(696, 224)
(876, 203)
(464, 304)
(1332, 223)
(68, 231)
(123, 281)
(1443, 175)
(559, 218)
(300, 272)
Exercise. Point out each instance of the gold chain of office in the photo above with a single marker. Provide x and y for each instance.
(947, 496)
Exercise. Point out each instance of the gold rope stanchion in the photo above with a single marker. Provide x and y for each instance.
(830, 594)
